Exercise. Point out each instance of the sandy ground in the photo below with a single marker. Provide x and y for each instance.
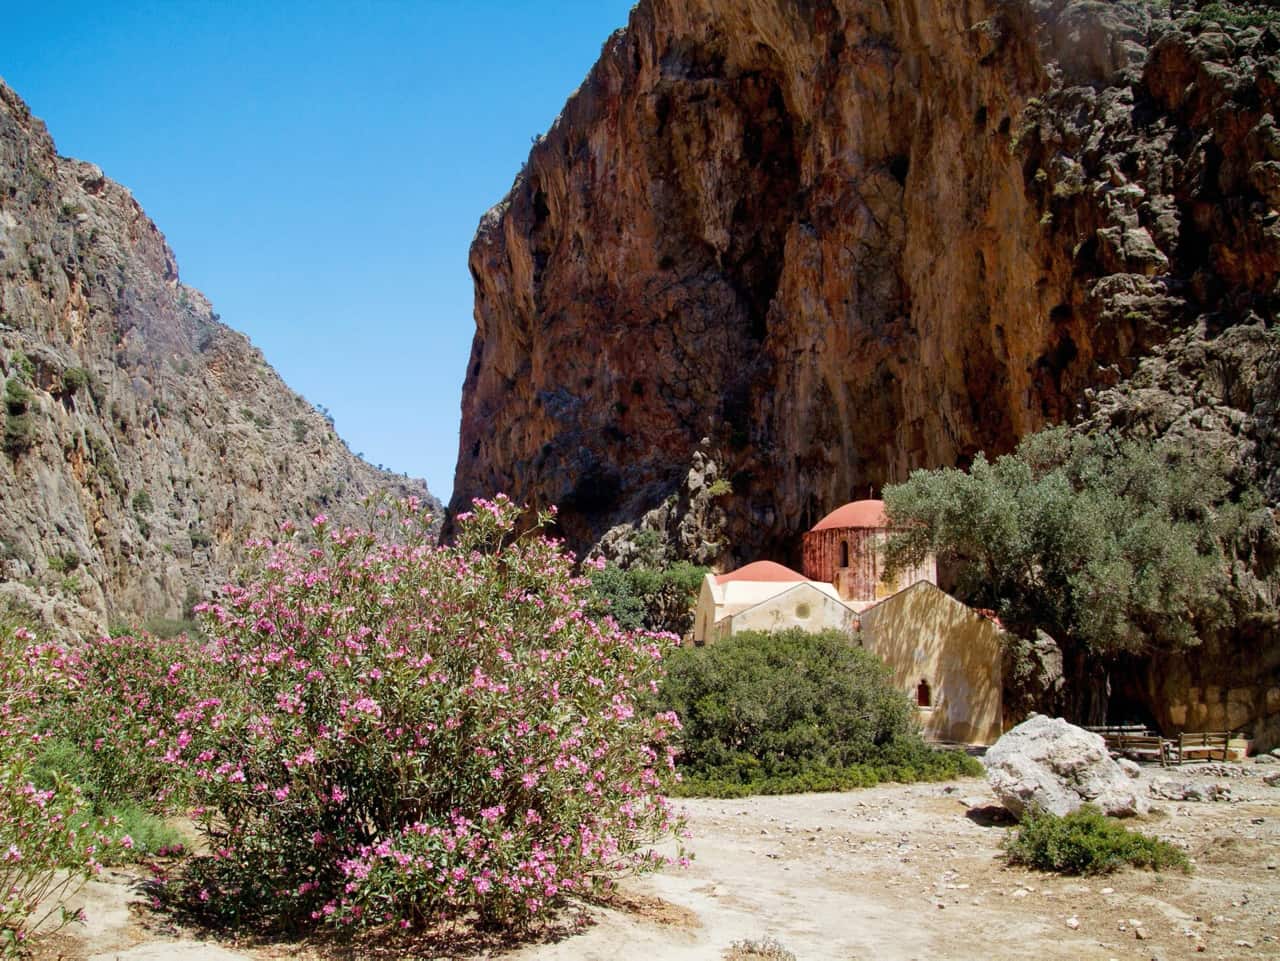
(892, 874)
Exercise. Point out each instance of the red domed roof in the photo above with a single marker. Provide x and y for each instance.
(855, 514)
(761, 571)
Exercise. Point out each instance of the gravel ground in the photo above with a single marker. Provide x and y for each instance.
(891, 873)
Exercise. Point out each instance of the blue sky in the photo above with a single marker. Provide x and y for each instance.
(319, 169)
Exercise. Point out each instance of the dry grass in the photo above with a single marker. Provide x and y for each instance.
(765, 949)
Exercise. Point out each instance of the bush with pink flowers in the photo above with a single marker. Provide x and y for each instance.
(394, 732)
(49, 842)
(106, 708)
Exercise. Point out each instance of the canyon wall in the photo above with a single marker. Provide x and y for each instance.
(144, 441)
(842, 239)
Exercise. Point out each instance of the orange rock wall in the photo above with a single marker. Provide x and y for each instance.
(842, 240)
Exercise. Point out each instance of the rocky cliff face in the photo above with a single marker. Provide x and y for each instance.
(844, 239)
(143, 440)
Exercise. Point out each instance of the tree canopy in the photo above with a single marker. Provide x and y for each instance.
(1116, 545)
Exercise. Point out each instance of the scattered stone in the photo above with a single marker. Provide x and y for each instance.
(1048, 764)
(1189, 790)
(1130, 768)
(1073, 923)
(172, 951)
(1141, 933)
(1272, 780)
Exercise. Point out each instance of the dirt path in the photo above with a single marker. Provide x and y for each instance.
(892, 874)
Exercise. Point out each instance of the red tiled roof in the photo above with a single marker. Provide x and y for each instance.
(761, 571)
(855, 514)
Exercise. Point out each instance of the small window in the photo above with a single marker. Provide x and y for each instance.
(802, 611)
(844, 553)
(924, 696)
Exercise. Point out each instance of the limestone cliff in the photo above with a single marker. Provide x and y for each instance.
(143, 440)
(842, 239)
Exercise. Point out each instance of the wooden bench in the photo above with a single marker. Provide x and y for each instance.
(1206, 745)
(1139, 747)
(1114, 729)
(1133, 741)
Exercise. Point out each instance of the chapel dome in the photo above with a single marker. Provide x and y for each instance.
(761, 572)
(868, 513)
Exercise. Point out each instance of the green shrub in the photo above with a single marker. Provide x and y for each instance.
(74, 380)
(200, 540)
(104, 707)
(1236, 15)
(794, 711)
(50, 843)
(17, 399)
(142, 502)
(19, 426)
(720, 487)
(1087, 842)
(136, 835)
(174, 627)
(134, 832)
(928, 765)
(648, 598)
(64, 563)
(24, 365)
(19, 433)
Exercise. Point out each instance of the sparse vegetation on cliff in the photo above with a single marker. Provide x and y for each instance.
(19, 428)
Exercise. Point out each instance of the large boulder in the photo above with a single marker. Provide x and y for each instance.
(1050, 765)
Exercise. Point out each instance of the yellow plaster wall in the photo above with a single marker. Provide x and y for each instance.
(718, 603)
(783, 611)
(923, 632)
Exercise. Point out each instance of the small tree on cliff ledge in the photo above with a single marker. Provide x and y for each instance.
(1111, 546)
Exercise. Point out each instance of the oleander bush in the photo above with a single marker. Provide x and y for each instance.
(1087, 842)
(388, 731)
(50, 843)
(791, 711)
(108, 707)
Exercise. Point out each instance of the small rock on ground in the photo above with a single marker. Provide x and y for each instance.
(172, 951)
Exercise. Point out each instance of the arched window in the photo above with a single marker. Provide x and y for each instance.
(844, 553)
(924, 696)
